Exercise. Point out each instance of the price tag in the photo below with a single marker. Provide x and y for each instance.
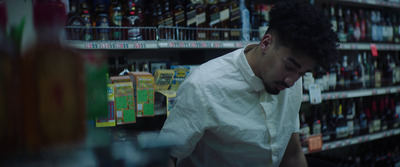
(328, 96)
(315, 93)
(315, 143)
(374, 50)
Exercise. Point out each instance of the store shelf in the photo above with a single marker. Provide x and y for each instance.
(117, 45)
(368, 46)
(355, 93)
(374, 3)
(167, 37)
(357, 140)
(153, 44)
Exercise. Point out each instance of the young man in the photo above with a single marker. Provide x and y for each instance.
(241, 109)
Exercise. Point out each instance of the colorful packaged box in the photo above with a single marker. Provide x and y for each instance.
(180, 75)
(124, 103)
(108, 120)
(143, 83)
(118, 79)
(163, 79)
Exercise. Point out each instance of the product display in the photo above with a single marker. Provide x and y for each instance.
(143, 85)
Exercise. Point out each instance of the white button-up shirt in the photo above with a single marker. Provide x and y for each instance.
(223, 116)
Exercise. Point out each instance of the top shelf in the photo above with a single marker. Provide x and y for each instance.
(175, 44)
(375, 3)
(178, 38)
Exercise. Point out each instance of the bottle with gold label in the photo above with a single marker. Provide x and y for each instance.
(133, 20)
(224, 18)
(213, 19)
(116, 20)
(75, 23)
(201, 20)
(235, 20)
(168, 21)
(190, 10)
(179, 19)
(102, 22)
(87, 22)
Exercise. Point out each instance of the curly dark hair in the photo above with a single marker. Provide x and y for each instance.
(304, 28)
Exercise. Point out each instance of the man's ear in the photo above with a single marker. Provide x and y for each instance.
(265, 42)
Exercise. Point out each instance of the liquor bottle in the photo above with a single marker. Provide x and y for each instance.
(377, 73)
(390, 112)
(382, 113)
(367, 68)
(87, 21)
(224, 18)
(333, 17)
(133, 21)
(374, 27)
(396, 70)
(304, 130)
(245, 17)
(235, 20)
(376, 122)
(342, 130)
(160, 16)
(370, 120)
(201, 21)
(332, 78)
(350, 115)
(368, 23)
(316, 122)
(395, 24)
(75, 22)
(325, 128)
(264, 20)
(52, 84)
(358, 74)
(345, 72)
(213, 19)
(387, 71)
(349, 29)
(371, 71)
(116, 20)
(389, 28)
(102, 22)
(179, 20)
(308, 79)
(255, 18)
(362, 117)
(357, 27)
(320, 73)
(341, 26)
(190, 16)
(332, 123)
(363, 25)
(168, 32)
(380, 25)
(397, 111)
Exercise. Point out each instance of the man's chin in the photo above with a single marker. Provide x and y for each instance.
(272, 91)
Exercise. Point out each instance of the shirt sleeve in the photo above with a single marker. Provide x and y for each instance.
(298, 101)
(187, 121)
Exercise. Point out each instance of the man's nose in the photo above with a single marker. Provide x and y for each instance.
(290, 80)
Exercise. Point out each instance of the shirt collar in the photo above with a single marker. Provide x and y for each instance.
(247, 72)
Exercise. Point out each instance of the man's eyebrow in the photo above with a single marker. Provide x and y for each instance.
(294, 62)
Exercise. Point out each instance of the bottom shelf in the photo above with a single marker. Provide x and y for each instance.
(356, 140)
